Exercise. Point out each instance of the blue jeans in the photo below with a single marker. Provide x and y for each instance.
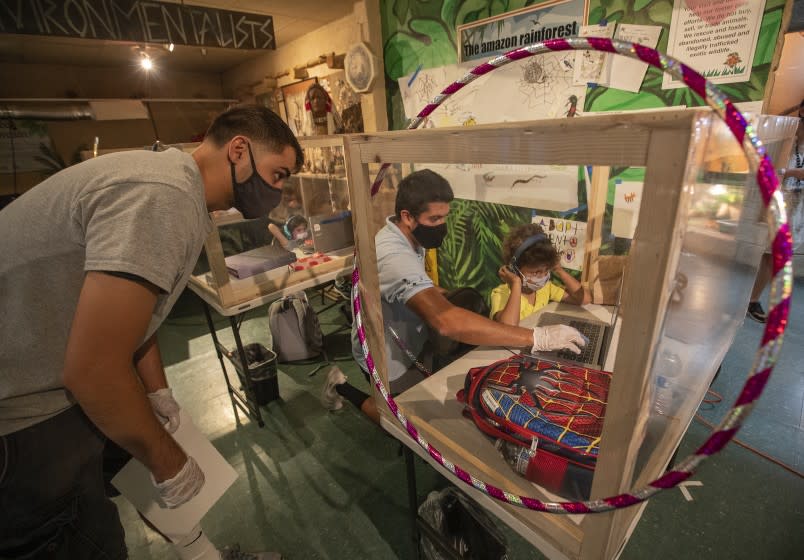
(52, 499)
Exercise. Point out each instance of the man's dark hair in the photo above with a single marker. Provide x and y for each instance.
(539, 254)
(258, 123)
(419, 189)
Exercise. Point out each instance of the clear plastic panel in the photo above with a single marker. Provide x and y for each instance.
(725, 235)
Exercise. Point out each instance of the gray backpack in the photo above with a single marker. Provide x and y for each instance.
(295, 329)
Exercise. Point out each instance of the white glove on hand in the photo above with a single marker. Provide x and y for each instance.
(166, 408)
(182, 487)
(558, 337)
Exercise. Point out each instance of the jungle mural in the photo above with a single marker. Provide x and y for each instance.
(422, 34)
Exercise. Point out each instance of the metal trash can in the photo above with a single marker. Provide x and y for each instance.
(261, 371)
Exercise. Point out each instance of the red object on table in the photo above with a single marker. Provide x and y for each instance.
(309, 262)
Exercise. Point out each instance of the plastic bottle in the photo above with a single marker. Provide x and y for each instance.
(667, 371)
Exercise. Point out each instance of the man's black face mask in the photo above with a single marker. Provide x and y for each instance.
(430, 237)
(255, 197)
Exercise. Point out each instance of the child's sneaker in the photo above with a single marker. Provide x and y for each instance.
(329, 396)
(756, 312)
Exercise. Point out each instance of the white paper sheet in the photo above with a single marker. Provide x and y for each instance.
(627, 200)
(134, 482)
(591, 66)
(626, 73)
(567, 236)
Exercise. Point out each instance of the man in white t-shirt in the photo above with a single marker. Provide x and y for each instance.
(411, 302)
(94, 258)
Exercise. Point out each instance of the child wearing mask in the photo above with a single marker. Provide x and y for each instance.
(293, 234)
(529, 259)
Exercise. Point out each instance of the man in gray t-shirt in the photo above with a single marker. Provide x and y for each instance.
(93, 258)
(412, 306)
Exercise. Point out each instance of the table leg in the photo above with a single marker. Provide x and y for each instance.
(234, 394)
(413, 499)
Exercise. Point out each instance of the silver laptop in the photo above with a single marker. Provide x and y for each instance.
(332, 231)
(598, 334)
(256, 261)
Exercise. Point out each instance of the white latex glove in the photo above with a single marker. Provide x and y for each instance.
(557, 337)
(166, 408)
(182, 487)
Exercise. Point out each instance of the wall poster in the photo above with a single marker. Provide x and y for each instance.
(553, 19)
(717, 38)
(567, 236)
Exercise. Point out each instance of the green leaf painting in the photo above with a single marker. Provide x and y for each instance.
(471, 252)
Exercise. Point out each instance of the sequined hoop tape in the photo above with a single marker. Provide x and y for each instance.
(780, 289)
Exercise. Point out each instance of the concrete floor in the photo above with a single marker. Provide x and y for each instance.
(314, 484)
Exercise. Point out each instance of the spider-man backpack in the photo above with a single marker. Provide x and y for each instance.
(546, 418)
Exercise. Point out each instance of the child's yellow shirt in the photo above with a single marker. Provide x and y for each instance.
(500, 294)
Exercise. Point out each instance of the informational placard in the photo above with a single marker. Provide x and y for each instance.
(567, 236)
(717, 38)
(627, 200)
(493, 36)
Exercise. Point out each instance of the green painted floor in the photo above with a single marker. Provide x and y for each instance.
(314, 484)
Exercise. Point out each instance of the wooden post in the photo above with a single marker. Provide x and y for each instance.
(657, 238)
(359, 185)
(598, 194)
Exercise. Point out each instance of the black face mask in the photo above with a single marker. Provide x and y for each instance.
(254, 197)
(430, 237)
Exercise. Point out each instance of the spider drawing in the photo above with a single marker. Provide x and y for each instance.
(533, 73)
(425, 89)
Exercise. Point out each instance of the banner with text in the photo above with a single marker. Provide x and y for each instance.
(138, 21)
(493, 36)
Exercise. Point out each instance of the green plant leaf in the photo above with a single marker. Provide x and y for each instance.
(661, 11)
(596, 15)
(440, 50)
(640, 4)
(449, 11)
(401, 55)
(400, 10)
(470, 11)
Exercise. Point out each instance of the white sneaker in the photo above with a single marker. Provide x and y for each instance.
(329, 396)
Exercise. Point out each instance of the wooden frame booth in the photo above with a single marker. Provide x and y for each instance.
(320, 188)
(685, 289)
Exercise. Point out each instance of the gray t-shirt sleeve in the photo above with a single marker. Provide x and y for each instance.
(142, 230)
(402, 276)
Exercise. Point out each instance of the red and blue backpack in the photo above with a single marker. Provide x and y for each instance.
(545, 416)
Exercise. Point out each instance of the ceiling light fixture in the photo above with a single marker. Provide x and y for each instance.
(146, 62)
(170, 47)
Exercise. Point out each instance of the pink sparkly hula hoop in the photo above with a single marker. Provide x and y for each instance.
(780, 289)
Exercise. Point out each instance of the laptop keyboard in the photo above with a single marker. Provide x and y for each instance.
(592, 332)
